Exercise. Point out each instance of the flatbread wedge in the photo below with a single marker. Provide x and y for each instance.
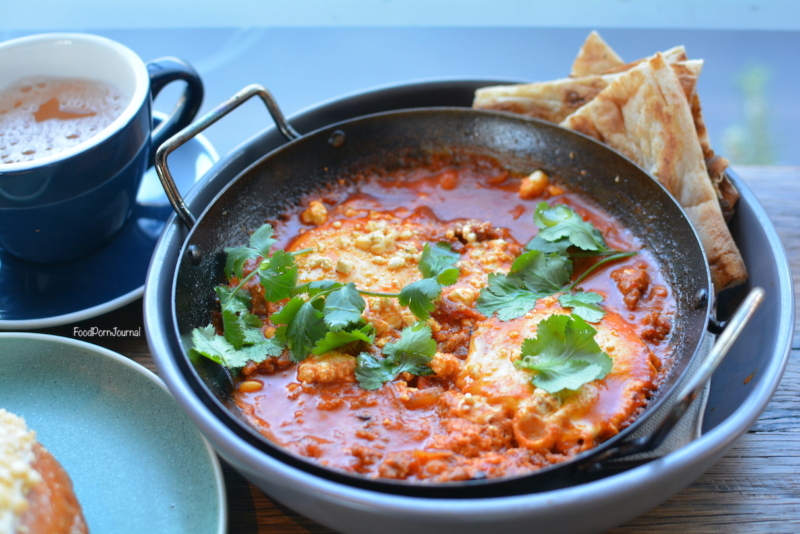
(727, 194)
(551, 101)
(597, 58)
(595, 66)
(556, 99)
(594, 57)
(673, 55)
(645, 114)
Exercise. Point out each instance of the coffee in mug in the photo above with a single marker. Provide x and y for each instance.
(42, 116)
(75, 153)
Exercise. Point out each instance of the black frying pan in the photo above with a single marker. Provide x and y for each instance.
(309, 162)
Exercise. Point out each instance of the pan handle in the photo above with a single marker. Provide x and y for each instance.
(693, 388)
(204, 122)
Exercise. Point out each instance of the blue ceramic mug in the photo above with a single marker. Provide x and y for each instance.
(60, 202)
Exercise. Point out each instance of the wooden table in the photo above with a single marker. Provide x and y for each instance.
(754, 488)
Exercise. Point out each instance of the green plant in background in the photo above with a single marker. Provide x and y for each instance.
(750, 143)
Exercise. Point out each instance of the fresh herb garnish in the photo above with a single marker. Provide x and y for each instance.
(219, 349)
(560, 222)
(539, 243)
(243, 339)
(235, 301)
(546, 268)
(278, 276)
(437, 262)
(303, 325)
(318, 317)
(564, 354)
(235, 327)
(533, 275)
(336, 339)
(411, 353)
(331, 308)
(277, 273)
(436, 265)
(261, 242)
(419, 296)
(584, 304)
(343, 307)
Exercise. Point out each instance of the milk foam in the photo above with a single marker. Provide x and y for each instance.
(24, 138)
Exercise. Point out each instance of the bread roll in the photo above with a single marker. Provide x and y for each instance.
(36, 493)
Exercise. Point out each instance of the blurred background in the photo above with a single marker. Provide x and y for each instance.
(309, 51)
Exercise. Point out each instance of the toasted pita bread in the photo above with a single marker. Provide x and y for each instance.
(551, 101)
(594, 57)
(555, 100)
(727, 194)
(673, 55)
(595, 68)
(645, 115)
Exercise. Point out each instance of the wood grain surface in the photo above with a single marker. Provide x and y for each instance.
(754, 488)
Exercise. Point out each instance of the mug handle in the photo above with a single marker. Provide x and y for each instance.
(164, 71)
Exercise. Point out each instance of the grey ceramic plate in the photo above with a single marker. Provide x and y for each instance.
(734, 404)
(137, 463)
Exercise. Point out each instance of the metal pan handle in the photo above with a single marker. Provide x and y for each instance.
(695, 385)
(204, 122)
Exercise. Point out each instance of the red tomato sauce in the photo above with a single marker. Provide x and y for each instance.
(420, 428)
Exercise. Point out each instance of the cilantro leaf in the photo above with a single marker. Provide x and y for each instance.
(207, 343)
(237, 320)
(506, 298)
(585, 305)
(416, 339)
(564, 354)
(303, 326)
(413, 363)
(235, 301)
(541, 272)
(217, 348)
(533, 275)
(286, 314)
(435, 264)
(278, 276)
(312, 289)
(411, 353)
(234, 330)
(448, 277)
(371, 372)
(343, 307)
(254, 335)
(251, 321)
(260, 243)
(419, 297)
(235, 260)
(260, 351)
(334, 340)
(560, 222)
(559, 247)
(261, 240)
(438, 259)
